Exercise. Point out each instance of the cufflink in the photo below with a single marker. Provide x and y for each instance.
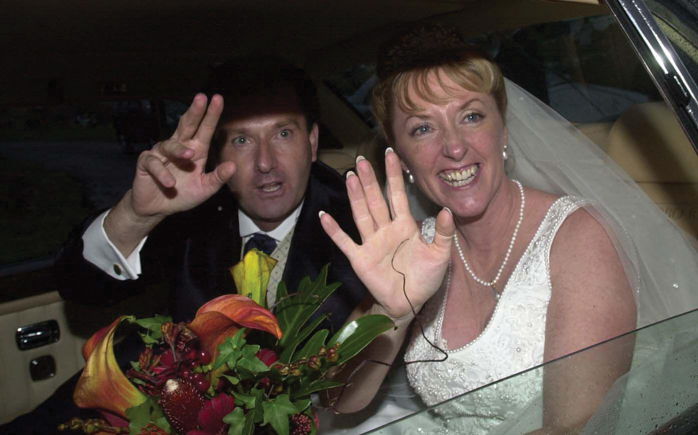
(117, 269)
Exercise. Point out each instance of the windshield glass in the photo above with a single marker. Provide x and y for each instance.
(652, 398)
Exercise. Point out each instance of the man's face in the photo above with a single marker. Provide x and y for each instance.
(270, 144)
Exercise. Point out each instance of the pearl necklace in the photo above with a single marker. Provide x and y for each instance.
(506, 257)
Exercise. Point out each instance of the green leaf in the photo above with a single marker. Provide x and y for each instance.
(162, 423)
(244, 399)
(252, 402)
(139, 417)
(145, 413)
(236, 420)
(312, 387)
(230, 350)
(154, 325)
(148, 338)
(249, 423)
(232, 379)
(138, 381)
(249, 360)
(302, 405)
(136, 366)
(358, 334)
(230, 359)
(276, 413)
(293, 312)
(313, 345)
(287, 354)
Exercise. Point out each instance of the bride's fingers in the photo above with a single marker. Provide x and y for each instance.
(338, 236)
(445, 230)
(396, 185)
(372, 191)
(359, 208)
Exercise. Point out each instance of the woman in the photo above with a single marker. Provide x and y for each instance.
(517, 276)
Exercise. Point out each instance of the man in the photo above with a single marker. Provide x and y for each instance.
(178, 224)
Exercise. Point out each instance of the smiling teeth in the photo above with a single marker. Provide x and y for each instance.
(271, 187)
(461, 177)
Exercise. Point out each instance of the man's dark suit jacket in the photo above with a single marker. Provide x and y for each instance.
(193, 251)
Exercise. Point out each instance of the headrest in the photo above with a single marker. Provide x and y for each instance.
(648, 143)
(339, 160)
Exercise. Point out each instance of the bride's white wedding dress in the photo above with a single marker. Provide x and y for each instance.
(512, 341)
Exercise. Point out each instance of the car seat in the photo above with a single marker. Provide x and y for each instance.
(648, 143)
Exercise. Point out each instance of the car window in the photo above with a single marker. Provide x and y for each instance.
(59, 163)
(651, 398)
(583, 68)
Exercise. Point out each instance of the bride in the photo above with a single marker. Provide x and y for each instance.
(520, 267)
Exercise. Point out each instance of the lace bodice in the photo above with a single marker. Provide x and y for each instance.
(512, 341)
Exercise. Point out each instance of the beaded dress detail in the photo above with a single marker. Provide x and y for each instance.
(512, 341)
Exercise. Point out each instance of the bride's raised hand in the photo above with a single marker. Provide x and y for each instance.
(391, 241)
(171, 177)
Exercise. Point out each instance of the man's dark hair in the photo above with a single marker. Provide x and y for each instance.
(257, 76)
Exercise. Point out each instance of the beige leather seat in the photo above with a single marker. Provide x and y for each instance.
(649, 144)
(339, 160)
(598, 132)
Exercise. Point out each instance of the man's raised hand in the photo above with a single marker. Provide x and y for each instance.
(171, 177)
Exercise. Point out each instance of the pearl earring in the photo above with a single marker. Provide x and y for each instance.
(410, 177)
(504, 153)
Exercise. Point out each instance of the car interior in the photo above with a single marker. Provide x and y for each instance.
(85, 58)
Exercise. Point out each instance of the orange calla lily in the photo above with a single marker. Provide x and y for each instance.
(252, 274)
(103, 385)
(224, 316)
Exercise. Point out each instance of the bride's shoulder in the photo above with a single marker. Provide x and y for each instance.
(591, 293)
(581, 234)
(584, 255)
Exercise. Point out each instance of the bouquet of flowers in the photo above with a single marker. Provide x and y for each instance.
(236, 368)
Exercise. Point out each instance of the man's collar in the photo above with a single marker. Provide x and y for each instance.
(248, 227)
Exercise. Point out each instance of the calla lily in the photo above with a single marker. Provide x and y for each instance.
(252, 274)
(103, 385)
(222, 317)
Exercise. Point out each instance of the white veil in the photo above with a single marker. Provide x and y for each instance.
(550, 154)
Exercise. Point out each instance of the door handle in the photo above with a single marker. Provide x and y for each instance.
(37, 335)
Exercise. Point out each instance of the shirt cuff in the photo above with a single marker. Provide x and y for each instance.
(101, 252)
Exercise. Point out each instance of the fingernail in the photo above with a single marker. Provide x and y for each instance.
(320, 214)
(449, 211)
(358, 159)
(350, 174)
(389, 150)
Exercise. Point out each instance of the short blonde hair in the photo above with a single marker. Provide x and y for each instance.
(466, 66)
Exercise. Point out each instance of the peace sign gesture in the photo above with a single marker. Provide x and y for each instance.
(391, 241)
(171, 177)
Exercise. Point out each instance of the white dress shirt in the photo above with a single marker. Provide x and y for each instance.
(101, 252)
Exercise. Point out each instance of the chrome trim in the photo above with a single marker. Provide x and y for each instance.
(37, 335)
(667, 71)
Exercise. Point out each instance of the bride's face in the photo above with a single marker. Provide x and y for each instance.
(453, 147)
